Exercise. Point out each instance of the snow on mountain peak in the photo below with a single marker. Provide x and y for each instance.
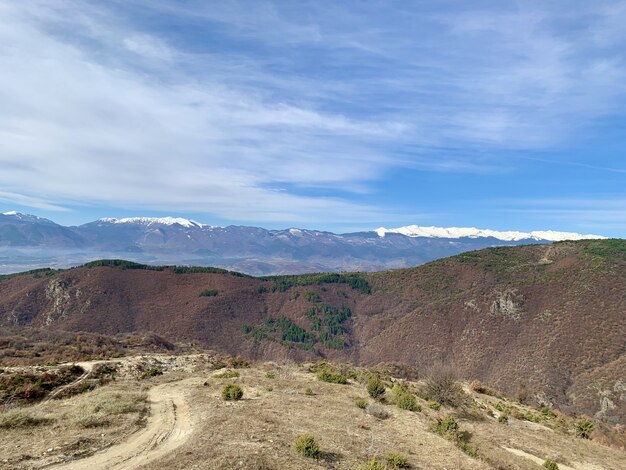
(471, 232)
(154, 220)
(11, 213)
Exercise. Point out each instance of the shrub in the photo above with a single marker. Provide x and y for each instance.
(208, 293)
(373, 464)
(396, 460)
(377, 411)
(327, 375)
(443, 386)
(584, 428)
(504, 419)
(547, 412)
(433, 405)
(360, 403)
(151, 372)
(232, 392)
(270, 374)
(407, 401)
(375, 387)
(446, 426)
(551, 465)
(307, 445)
(227, 374)
(308, 391)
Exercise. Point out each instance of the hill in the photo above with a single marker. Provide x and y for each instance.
(543, 322)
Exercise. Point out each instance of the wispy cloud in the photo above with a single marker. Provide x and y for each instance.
(282, 112)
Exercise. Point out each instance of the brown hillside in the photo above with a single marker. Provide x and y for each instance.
(548, 322)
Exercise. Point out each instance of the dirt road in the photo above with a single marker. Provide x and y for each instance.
(169, 426)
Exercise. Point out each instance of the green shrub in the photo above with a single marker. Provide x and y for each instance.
(396, 460)
(328, 375)
(360, 403)
(433, 405)
(307, 445)
(551, 465)
(504, 419)
(447, 425)
(373, 464)
(547, 412)
(232, 392)
(227, 374)
(208, 293)
(151, 372)
(270, 374)
(407, 401)
(261, 289)
(308, 391)
(375, 387)
(584, 428)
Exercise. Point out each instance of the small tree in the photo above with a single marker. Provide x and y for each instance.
(375, 387)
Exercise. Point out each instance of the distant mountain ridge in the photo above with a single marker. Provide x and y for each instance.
(28, 241)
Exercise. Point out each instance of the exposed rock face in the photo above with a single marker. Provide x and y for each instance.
(508, 303)
(57, 291)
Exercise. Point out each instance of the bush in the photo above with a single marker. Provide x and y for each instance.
(373, 464)
(308, 391)
(433, 405)
(307, 445)
(584, 428)
(208, 293)
(551, 465)
(443, 386)
(327, 375)
(375, 387)
(504, 419)
(446, 426)
(151, 372)
(396, 460)
(547, 412)
(232, 392)
(377, 411)
(360, 403)
(407, 401)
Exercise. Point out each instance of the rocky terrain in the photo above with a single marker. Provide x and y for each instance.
(544, 323)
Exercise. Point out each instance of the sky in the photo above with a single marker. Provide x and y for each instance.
(327, 115)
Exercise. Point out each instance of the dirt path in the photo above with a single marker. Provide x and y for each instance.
(87, 367)
(169, 425)
(539, 461)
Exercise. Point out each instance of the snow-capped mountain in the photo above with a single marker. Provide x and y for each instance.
(153, 221)
(28, 241)
(471, 232)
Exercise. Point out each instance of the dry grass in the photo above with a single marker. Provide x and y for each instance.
(258, 432)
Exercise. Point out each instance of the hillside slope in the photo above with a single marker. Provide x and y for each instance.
(548, 322)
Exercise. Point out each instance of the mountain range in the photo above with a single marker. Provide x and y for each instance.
(28, 241)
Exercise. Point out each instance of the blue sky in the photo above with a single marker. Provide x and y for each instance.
(328, 115)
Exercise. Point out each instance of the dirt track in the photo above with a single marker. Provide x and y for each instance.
(169, 426)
